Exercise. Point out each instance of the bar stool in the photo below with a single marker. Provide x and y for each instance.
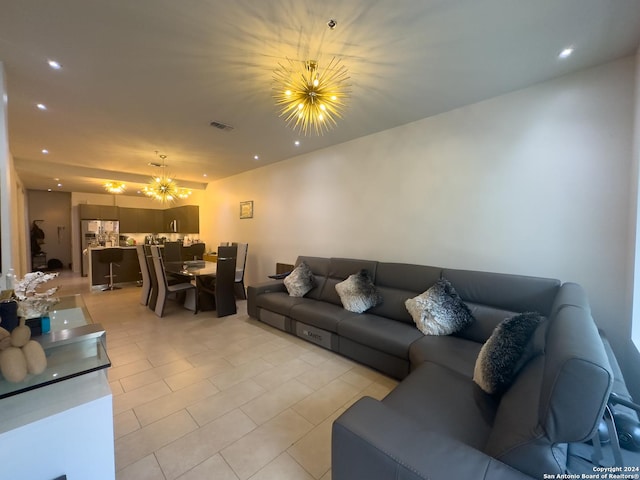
(110, 256)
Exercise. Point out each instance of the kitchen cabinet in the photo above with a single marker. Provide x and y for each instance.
(129, 220)
(156, 219)
(141, 220)
(186, 216)
(145, 220)
(97, 212)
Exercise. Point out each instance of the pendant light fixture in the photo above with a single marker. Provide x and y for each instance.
(163, 187)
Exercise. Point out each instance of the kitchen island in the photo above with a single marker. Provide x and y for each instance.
(125, 271)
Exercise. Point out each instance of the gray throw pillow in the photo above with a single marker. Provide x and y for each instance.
(358, 293)
(300, 281)
(439, 310)
(503, 354)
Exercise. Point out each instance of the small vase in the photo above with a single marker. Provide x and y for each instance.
(9, 315)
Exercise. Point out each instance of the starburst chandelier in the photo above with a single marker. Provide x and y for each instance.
(115, 187)
(163, 187)
(311, 99)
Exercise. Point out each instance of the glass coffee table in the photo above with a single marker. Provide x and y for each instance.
(74, 346)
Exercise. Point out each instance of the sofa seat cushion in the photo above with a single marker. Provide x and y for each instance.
(278, 302)
(380, 333)
(319, 314)
(456, 353)
(444, 401)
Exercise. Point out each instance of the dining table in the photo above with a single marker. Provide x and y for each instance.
(211, 296)
(192, 268)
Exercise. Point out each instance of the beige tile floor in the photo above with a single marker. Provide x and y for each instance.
(200, 397)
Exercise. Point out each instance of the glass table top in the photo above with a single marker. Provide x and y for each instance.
(74, 346)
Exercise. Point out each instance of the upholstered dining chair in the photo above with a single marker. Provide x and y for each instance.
(241, 262)
(197, 250)
(172, 252)
(165, 290)
(153, 294)
(220, 291)
(145, 293)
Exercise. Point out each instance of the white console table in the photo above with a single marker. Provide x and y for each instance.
(61, 421)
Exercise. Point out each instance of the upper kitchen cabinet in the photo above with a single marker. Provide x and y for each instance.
(97, 212)
(141, 220)
(185, 219)
(129, 220)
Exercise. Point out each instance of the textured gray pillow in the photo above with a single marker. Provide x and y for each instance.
(358, 293)
(299, 281)
(439, 310)
(501, 357)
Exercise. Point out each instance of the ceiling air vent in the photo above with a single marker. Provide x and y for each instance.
(222, 126)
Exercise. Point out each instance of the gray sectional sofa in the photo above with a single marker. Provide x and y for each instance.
(438, 423)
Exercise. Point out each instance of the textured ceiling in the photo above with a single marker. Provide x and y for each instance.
(150, 75)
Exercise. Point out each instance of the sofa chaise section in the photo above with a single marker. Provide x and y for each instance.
(558, 397)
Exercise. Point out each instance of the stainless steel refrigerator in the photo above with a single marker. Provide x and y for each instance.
(94, 233)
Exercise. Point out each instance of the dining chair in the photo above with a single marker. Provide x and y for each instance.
(241, 262)
(197, 251)
(145, 293)
(165, 290)
(172, 252)
(153, 294)
(219, 291)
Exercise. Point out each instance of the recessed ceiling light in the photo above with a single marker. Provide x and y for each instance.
(297, 143)
(59, 184)
(204, 174)
(56, 179)
(41, 106)
(48, 189)
(53, 64)
(256, 157)
(566, 52)
(45, 151)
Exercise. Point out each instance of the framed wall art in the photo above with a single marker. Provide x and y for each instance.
(246, 209)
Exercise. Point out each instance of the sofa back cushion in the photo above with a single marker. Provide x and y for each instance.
(340, 269)
(558, 397)
(516, 293)
(397, 282)
(486, 320)
(492, 297)
(319, 267)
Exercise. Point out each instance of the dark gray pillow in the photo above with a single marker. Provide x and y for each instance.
(501, 357)
(439, 310)
(358, 293)
(299, 281)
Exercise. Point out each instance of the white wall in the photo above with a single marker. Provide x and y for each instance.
(12, 199)
(534, 182)
(635, 213)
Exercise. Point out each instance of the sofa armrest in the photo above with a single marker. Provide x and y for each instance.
(258, 289)
(372, 441)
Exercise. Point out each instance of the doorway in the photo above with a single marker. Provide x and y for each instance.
(50, 227)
